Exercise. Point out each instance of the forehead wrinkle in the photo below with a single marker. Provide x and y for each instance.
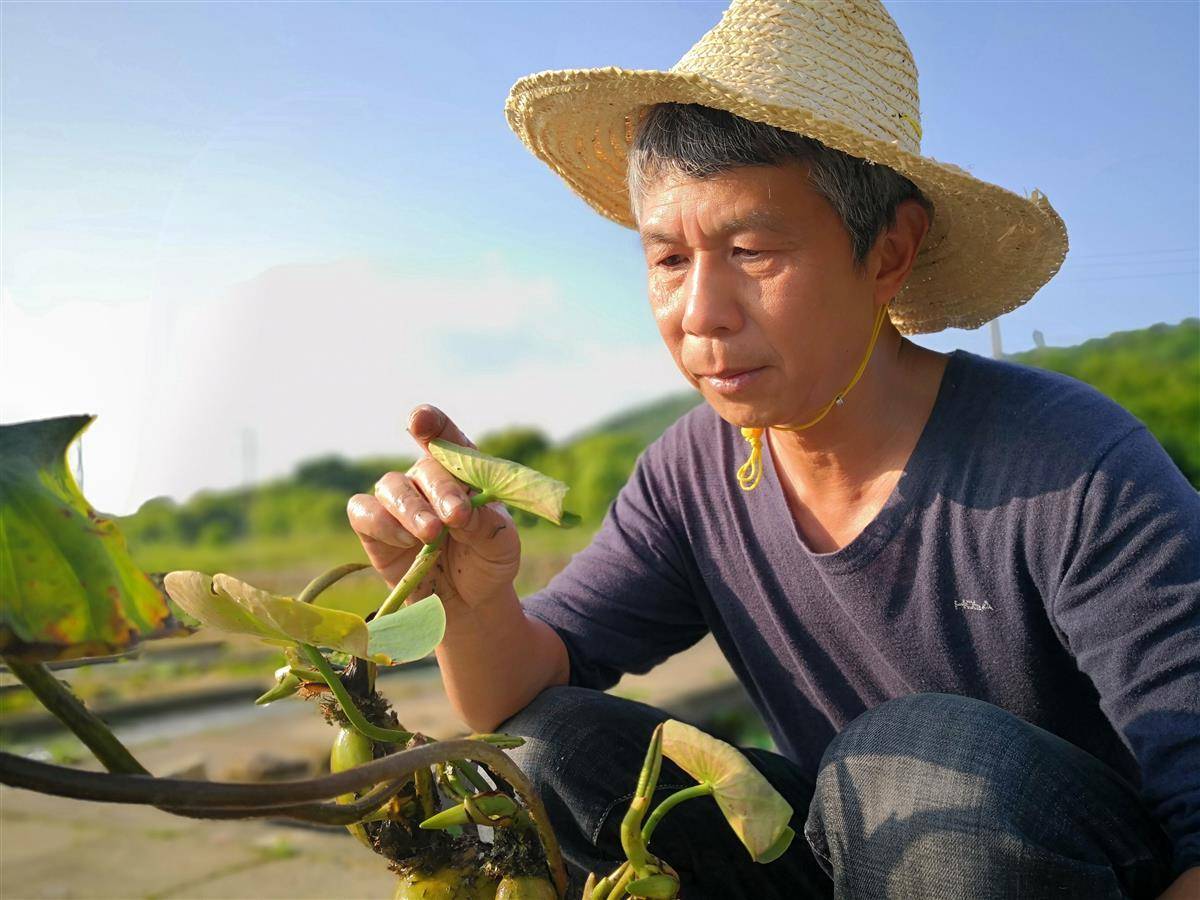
(762, 219)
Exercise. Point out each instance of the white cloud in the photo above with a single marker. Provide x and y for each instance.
(311, 359)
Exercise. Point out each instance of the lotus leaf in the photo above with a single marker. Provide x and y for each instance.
(756, 812)
(409, 633)
(196, 594)
(512, 483)
(68, 586)
(228, 604)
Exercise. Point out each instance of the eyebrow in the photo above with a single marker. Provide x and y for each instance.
(763, 219)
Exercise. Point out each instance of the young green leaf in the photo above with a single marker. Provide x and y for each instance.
(491, 804)
(510, 482)
(755, 811)
(68, 584)
(286, 684)
(409, 633)
(654, 887)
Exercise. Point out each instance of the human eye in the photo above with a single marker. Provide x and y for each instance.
(671, 261)
(747, 253)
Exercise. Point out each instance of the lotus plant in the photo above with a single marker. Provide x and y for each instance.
(755, 811)
(71, 590)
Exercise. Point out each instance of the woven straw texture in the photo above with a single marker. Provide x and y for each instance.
(839, 72)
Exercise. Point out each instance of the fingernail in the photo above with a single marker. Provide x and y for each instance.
(426, 520)
(451, 505)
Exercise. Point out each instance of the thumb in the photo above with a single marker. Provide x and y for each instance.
(427, 423)
(485, 530)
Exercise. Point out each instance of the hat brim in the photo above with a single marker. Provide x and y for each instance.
(988, 250)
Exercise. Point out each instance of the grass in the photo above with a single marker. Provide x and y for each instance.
(285, 565)
(280, 565)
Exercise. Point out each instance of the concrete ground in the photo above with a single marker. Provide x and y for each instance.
(56, 848)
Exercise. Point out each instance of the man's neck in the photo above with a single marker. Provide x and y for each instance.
(838, 474)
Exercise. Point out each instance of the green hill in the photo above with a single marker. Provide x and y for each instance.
(647, 422)
(1153, 372)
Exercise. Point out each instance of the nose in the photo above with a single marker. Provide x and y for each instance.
(710, 300)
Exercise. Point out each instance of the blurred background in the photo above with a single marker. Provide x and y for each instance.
(251, 237)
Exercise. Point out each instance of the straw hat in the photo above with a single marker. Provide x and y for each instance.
(839, 72)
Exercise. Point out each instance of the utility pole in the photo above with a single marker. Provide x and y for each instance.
(997, 346)
(249, 457)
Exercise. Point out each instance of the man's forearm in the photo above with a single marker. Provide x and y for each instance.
(495, 660)
(1185, 887)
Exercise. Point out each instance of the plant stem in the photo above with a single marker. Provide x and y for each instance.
(196, 796)
(353, 715)
(696, 790)
(56, 698)
(631, 826)
(323, 813)
(618, 888)
(453, 783)
(328, 579)
(604, 887)
(468, 771)
(68, 709)
(424, 561)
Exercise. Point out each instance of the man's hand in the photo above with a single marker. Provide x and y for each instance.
(481, 557)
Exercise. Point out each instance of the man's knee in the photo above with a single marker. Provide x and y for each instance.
(940, 788)
(939, 727)
(552, 726)
(912, 756)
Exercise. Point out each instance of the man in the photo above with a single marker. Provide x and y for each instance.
(964, 594)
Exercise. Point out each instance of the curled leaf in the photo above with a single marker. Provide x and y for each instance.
(286, 684)
(755, 811)
(778, 848)
(654, 887)
(516, 485)
(225, 603)
(231, 605)
(68, 586)
(491, 805)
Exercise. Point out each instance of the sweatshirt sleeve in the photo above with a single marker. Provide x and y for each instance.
(629, 600)
(1128, 603)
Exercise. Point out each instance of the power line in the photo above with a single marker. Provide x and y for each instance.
(1146, 275)
(1131, 253)
(1127, 262)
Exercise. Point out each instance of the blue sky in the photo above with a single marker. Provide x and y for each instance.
(302, 218)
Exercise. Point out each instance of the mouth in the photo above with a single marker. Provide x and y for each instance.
(731, 381)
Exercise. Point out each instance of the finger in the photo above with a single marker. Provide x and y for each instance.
(487, 523)
(446, 494)
(388, 560)
(427, 423)
(370, 520)
(400, 497)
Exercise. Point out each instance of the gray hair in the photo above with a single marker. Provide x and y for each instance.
(698, 141)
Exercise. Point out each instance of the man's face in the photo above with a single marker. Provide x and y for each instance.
(752, 284)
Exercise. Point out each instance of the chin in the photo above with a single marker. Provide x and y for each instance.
(740, 414)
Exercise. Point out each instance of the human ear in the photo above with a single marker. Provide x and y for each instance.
(896, 249)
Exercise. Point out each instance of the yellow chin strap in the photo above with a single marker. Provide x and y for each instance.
(750, 473)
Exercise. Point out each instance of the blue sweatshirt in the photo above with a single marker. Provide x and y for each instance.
(1040, 552)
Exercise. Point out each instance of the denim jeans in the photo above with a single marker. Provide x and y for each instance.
(926, 796)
